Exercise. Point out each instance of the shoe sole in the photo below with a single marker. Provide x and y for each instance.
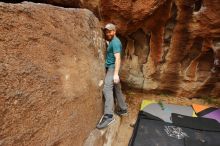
(125, 114)
(107, 124)
(111, 122)
(100, 120)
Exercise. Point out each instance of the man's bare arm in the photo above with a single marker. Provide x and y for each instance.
(117, 66)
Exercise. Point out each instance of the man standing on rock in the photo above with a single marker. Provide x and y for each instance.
(112, 81)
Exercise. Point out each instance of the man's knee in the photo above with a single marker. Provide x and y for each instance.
(107, 88)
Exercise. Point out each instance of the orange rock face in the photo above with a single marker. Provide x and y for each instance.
(51, 65)
(174, 46)
(92, 5)
(191, 55)
(181, 42)
(51, 61)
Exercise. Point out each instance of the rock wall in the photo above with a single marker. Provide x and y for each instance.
(169, 46)
(52, 62)
(51, 65)
(190, 59)
(93, 5)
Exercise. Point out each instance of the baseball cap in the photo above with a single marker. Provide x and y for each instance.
(110, 26)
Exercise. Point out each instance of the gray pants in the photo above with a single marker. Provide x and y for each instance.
(109, 89)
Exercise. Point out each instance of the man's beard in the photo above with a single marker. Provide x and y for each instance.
(109, 38)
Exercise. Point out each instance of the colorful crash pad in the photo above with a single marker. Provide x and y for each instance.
(207, 112)
(164, 111)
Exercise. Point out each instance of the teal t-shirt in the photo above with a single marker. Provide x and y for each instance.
(114, 46)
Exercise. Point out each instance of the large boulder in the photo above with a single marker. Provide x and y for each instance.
(92, 5)
(169, 46)
(51, 67)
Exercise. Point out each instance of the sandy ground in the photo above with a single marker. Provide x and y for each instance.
(134, 100)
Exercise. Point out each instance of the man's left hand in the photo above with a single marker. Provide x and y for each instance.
(116, 79)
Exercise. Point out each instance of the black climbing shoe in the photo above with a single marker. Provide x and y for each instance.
(122, 112)
(105, 121)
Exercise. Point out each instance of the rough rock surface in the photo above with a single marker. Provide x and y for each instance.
(51, 64)
(92, 5)
(194, 47)
(169, 46)
(51, 61)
